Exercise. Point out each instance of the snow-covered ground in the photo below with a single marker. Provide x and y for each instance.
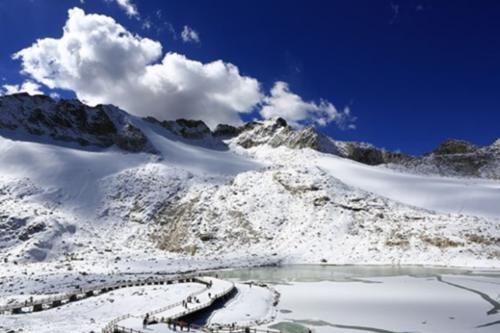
(443, 194)
(251, 305)
(92, 314)
(99, 209)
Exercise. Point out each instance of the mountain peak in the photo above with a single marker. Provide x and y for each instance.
(454, 146)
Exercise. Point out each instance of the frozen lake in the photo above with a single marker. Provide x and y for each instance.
(381, 299)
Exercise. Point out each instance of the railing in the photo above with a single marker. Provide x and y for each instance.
(126, 330)
(83, 291)
(171, 306)
(198, 307)
(242, 330)
(110, 327)
(113, 326)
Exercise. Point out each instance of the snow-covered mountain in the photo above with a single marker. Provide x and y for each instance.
(456, 158)
(88, 185)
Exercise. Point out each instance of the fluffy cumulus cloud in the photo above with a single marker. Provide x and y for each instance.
(27, 86)
(188, 34)
(284, 103)
(103, 63)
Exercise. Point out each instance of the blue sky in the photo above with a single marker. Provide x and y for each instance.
(412, 73)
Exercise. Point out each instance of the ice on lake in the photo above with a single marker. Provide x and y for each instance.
(382, 299)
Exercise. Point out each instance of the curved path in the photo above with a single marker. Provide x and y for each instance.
(214, 290)
(41, 304)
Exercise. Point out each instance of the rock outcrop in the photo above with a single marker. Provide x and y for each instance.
(456, 158)
(70, 121)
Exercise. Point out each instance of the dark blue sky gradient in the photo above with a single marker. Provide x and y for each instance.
(412, 79)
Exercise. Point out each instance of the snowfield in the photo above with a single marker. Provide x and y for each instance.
(220, 202)
(251, 306)
(94, 313)
(443, 194)
(468, 196)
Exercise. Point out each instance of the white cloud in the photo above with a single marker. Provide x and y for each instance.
(103, 63)
(284, 103)
(188, 34)
(128, 6)
(27, 86)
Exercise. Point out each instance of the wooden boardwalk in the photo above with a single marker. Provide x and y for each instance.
(213, 290)
(82, 293)
(164, 318)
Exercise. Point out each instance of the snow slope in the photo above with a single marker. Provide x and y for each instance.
(58, 198)
(102, 204)
(444, 194)
(469, 196)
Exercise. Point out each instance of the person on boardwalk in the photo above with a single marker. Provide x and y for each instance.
(145, 321)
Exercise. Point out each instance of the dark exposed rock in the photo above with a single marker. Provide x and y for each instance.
(457, 158)
(371, 156)
(280, 122)
(188, 129)
(207, 237)
(32, 229)
(278, 133)
(72, 121)
(227, 131)
(454, 147)
(131, 138)
(321, 201)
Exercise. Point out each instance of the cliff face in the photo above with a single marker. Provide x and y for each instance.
(41, 118)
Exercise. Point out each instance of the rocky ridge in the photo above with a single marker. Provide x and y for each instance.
(70, 121)
(456, 158)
